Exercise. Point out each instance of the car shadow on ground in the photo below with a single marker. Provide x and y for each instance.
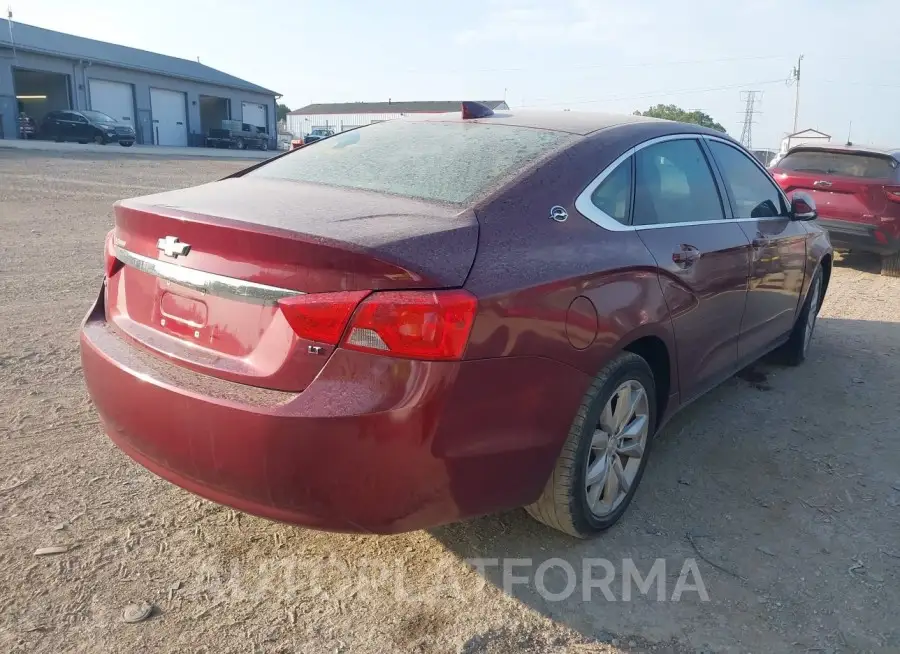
(862, 261)
(769, 483)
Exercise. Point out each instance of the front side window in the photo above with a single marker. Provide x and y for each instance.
(752, 193)
(673, 184)
(99, 117)
(613, 195)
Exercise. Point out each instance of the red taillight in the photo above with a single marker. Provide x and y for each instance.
(110, 263)
(432, 325)
(892, 193)
(320, 317)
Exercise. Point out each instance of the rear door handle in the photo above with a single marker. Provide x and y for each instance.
(685, 255)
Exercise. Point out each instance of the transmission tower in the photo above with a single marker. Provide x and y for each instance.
(749, 110)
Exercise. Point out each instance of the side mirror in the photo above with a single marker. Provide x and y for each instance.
(803, 207)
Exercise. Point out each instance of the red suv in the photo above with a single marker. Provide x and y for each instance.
(857, 194)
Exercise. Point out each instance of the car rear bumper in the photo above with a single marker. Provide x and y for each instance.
(373, 445)
(860, 236)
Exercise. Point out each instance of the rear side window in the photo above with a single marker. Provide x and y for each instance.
(845, 164)
(613, 196)
(753, 194)
(444, 162)
(673, 184)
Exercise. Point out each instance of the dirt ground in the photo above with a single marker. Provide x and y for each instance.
(783, 485)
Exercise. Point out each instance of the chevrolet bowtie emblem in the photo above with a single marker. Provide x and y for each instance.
(172, 247)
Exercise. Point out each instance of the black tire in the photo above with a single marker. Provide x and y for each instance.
(264, 146)
(240, 144)
(82, 142)
(99, 139)
(890, 265)
(795, 351)
(126, 144)
(563, 504)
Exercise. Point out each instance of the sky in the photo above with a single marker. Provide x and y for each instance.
(581, 55)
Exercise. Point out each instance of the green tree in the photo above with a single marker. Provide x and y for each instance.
(673, 112)
(282, 110)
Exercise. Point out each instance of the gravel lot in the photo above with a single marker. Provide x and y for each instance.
(783, 484)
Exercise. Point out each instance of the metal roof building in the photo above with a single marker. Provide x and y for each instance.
(169, 101)
(347, 115)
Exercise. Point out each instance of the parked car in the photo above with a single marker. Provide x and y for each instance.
(857, 190)
(317, 134)
(235, 134)
(440, 317)
(86, 127)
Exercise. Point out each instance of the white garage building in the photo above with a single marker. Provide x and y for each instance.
(169, 101)
(347, 115)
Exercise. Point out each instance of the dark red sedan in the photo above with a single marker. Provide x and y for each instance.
(435, 318)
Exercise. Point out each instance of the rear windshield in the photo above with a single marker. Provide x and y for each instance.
(443, 162)
(846, 164)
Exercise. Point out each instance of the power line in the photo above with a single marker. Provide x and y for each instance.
(650, 94)
(640, 64)
(747, 131)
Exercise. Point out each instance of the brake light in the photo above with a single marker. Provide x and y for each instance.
(892, 193)
(431, 325)
(110, 263)
(320, 317)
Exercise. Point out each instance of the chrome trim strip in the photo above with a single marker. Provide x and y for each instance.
(204, 282)
(587, 209)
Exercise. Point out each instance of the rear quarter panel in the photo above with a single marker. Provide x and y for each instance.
(569, 291)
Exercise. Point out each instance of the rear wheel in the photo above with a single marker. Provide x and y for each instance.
(239, 144)
(890, 265)
(264, 146)
(605, 453)
(126, 144)
(99, 139)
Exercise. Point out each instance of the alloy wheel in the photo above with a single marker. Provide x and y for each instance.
(617, 447)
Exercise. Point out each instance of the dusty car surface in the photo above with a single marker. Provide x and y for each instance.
(435, 318)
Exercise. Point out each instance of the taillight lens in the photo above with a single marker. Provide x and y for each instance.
(892, 193)
(110, 263)
(321, 317)
(431, 325)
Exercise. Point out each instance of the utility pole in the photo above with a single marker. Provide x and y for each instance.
(795, 79)
(749, 110)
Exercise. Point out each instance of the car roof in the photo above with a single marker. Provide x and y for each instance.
(573, 122)
(849, 149)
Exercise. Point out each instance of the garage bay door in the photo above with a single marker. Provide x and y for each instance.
(169, 110)
(254, 114)
(114, 99)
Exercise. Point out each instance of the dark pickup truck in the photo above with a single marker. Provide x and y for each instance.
(235, 134)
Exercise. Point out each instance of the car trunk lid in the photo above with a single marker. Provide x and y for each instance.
(203, 268)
